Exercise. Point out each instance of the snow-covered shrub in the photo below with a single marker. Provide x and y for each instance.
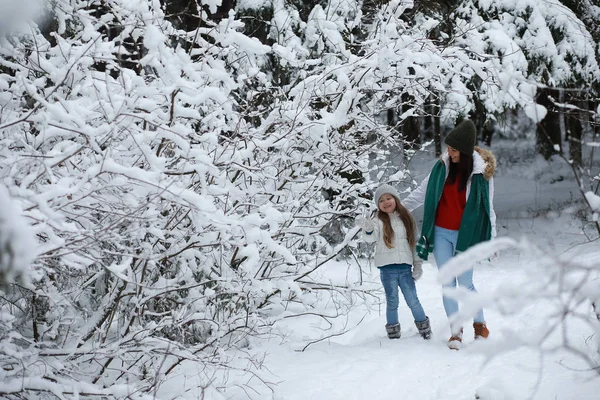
(185, 186)
(172, 222)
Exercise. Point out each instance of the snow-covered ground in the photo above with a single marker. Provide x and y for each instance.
(530, 354)
(364, 364)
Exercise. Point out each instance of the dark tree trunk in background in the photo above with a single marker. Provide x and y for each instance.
(410, 126)
(575, 118)
(436, 7)
(184, 13)
(222, 10)
(391, 117)
(432, 125)
(574, 124)
(487, 133)
(548, 135)
(412, 132)
(428, 121)
(304, 7)
(392, 121)
(575, 132)
(595, 125)
(257, 23)
(478, 115)
(443, 9)
(437, 129)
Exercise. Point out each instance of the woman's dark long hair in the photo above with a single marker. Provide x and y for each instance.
(461, 171)
(407, 220)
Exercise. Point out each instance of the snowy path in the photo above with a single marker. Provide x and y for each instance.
(364, 364)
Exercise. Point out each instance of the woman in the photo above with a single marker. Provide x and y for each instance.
(458, 196)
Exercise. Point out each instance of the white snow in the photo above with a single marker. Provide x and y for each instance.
(524, 357)
(594, 200)
(174, 201)
(536, 112)
(18, 246)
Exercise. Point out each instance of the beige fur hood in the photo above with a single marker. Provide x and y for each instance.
(490, 162)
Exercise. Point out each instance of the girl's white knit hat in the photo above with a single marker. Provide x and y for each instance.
(383, 189)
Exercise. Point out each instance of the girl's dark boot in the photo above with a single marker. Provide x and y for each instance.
(393, 331)
(424, 328)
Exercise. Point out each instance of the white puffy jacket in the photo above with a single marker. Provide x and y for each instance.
(400, 253)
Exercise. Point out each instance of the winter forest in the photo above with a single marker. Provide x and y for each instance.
(180, 178)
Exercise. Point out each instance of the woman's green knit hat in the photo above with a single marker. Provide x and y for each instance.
(462, 138)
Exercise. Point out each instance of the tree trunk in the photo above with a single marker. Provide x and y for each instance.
(411, 133)
(478, 115)
(410, 127)
(487, 133)
(548, 135)
(575, 130)
(391, 118)
(222, 10)
(429, 119)
(595, 124)
(437, 129)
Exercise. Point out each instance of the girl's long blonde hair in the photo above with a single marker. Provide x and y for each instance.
(407, 220)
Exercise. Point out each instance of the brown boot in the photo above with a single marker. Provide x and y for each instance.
(481, 330)
(455, 341)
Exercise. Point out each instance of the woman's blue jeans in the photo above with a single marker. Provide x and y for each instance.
(392, 277)
(443, 249)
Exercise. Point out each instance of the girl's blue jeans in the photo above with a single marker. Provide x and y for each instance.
(392, 277)
(443, 249)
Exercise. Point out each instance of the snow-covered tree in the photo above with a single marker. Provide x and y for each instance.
(188, 169)
(173, 219)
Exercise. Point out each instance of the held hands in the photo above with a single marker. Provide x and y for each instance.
(417, 272)
(494, 256)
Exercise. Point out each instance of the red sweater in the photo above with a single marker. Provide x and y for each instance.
(451, 207)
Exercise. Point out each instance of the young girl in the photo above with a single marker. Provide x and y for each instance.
(393, 231)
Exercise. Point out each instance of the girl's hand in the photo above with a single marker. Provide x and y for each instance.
(364, 223)
(417, 272)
